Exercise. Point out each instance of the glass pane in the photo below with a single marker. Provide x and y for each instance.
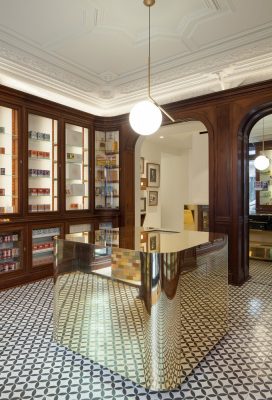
(264, 185)
(43, 245)
(77, 167)
(107, 169)
(8, 161)
(80, 228)
(42, 164)
(10, 251)
(252, 193)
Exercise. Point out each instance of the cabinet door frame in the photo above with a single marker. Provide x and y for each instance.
(9, 276)
(85, 125)
(108, 128)
(52, 116)
(79, 221)
(41, 225)
(21, 145)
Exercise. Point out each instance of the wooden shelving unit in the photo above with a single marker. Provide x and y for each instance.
(107, 166)
(77, 167)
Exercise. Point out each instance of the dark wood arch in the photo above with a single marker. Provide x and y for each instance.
(225, 114)
(250, 119)
(228, 116)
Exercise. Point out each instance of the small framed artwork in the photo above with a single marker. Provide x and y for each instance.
(153, 198)
(153, 175)
(143, 204)
(142, 165)
(153, 241)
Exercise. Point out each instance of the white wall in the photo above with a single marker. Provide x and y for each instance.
(152, 154)
(174, 189)
(184, 180)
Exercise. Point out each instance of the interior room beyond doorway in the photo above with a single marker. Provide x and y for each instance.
(172, 173)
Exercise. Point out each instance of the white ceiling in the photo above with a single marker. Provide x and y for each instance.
(176, 137)
(92, 54)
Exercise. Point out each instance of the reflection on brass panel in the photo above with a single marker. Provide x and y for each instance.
(150, 316)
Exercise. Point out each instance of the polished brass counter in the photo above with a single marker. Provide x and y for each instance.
(144, 304)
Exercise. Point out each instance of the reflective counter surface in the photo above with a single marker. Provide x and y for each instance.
(144, 303)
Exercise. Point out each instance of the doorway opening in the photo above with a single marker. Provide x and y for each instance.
(172, 178)
(260, 201)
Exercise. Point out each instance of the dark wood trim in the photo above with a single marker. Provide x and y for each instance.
(228, 117)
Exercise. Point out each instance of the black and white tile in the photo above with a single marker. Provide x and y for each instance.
(33, 367)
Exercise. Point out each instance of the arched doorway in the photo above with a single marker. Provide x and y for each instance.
(179, 153)
(252, 133)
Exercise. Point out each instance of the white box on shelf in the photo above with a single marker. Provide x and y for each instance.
(74, 138)
(73, 171)
(77, 189)
(74, 157)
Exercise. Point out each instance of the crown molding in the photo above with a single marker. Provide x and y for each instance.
(180, 82)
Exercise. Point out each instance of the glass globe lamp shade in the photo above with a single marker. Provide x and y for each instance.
(145, 118)
(261, 163)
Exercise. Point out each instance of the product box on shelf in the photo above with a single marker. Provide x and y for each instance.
(2, 192)
(76, 189)
(74, 157)
(2, 129)
(74, 206)
(38, 135)
(9, 266)
(112, 176)
(2, 150)
(101, 160)
(32, 135)
(73, 171)
(2, 171)
(74, 138)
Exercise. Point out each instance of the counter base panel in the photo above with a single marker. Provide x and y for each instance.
(155, 343)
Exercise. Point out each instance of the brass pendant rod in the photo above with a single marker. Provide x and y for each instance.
(162, 109)
(263, 136)
(149, 57)
(149, 4)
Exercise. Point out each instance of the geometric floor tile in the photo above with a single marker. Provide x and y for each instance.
(33, 367)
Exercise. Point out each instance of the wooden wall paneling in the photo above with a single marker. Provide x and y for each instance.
(127, 181)
(227, 116)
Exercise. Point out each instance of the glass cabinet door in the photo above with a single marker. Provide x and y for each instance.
(77, 167)
(107, 169)
(9, 202)
(11, 250)
(43, 245)
(42, 164)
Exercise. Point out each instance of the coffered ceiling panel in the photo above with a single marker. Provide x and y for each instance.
(95, 51)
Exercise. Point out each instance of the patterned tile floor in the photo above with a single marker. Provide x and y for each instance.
(33, 367)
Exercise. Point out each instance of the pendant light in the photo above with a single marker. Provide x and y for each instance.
(146, 116)
(262, 162)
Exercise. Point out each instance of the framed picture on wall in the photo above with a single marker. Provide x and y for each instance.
(143, 204)
(153, 198)
(153, 175)
(153, 241)
(142, 165)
